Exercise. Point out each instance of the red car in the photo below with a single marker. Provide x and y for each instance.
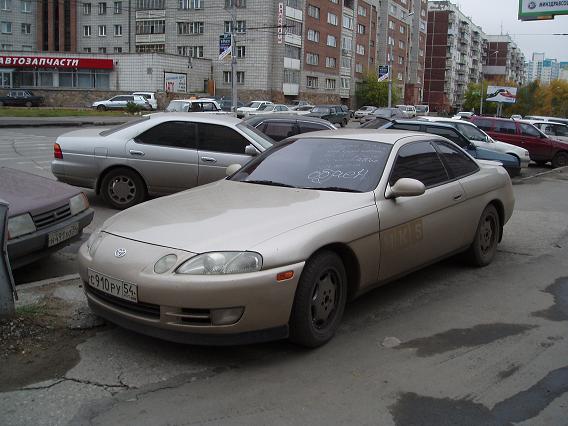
(540, 147)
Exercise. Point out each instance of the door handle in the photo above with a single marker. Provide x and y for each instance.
(134, 152)
(458, 196)
(208, 160)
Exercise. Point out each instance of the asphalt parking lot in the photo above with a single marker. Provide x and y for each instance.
(447, 345)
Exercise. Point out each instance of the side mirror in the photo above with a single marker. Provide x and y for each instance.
(406, 187)
(251, 150)
(232, 169)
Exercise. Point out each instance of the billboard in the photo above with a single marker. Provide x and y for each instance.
(504, 94)
(537, 9)
(175, 82)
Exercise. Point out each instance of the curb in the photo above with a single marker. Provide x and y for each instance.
(47, 282)
(547, 172)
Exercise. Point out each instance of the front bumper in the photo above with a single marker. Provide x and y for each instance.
(31, 247)
(178, 307)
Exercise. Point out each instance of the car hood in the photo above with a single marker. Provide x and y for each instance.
(227, 215)
(25, 192)
(488, 154)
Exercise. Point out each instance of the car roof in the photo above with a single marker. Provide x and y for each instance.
(284, 117)
(387, 136)
(201, 117)
(425, 122)
(447, 119)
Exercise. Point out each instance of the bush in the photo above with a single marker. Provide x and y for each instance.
(133, 108)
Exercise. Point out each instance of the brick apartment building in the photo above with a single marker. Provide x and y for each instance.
(505, 61)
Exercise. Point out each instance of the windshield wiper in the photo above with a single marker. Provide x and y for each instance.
(332, 188)
(269, 183)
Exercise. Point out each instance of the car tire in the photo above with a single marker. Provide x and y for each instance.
(29, 104)
(319, 301)
(123, 188)
(484, 245)
(560, 160)
(101, 107)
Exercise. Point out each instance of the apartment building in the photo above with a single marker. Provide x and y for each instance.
(414, 86)
(505, 61)
(542, 69)
(18, 25)
(455, 54)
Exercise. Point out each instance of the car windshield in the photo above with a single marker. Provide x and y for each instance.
(323, 110)
(259, 137)
(253, 105)
(177, 106)
(343, 165)
(420, 108)
(471, 132)
(123, 126)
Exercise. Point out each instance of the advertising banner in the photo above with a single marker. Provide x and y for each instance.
(55, 62)
(224, 45)
(538, 9)
(175, 82)
(507, 95)
(383, 72)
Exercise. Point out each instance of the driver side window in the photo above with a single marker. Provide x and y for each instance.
(420, 161)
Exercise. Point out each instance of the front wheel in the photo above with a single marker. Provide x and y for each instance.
(101, 108)
(484, 245)
(560, 160)
(123, 188)
(319, 301)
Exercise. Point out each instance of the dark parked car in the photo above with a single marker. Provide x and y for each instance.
(21, 98)
(541, 147)
(43, 215)
(509, 162)
(332, 113)
(226, 104)
(280, 127)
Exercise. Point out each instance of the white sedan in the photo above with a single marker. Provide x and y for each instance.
(272, 109)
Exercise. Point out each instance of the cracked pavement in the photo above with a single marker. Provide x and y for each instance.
(472, 343)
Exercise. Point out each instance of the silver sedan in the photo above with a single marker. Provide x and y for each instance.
(278, 248)
(156, 155)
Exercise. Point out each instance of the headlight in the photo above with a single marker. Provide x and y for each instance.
(78, 203)
(221, 263)
(165, 263)
(20, 225)
(94, 242)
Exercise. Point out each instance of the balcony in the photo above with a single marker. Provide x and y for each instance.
(290, 89)
(291, 63)
(344, 93)
(150, 14)
(293, 39)
(293, 13)
(150, 38)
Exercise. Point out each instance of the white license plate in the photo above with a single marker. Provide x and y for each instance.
(54, 238)
(114, 287)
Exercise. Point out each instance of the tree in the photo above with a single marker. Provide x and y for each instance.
(472, 99)
(370, 91)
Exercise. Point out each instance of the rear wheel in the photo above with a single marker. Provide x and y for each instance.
(29, 104)
(319, 301)
(101, 108)
(123, 188)
(560, 160)
(484, 245)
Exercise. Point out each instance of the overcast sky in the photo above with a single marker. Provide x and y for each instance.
(491, 14)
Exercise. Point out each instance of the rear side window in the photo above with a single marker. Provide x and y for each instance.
(178, 134)
(419, 161)
(403, 126)
(278, 130)
(213, 137)
(528, 130)
(484, 123)
(459, 164)
(306, 127)
(508, 127)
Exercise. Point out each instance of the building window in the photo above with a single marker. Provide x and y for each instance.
(26, 6)
(227, 77)
(334, 1)
(102, 8)
(291, 76)
(118, 50)
(118, 30)
(149, 5)
(391, 25)
(26, 28)
(102, 50)
(117, 7)
(235, 3)
(240, 77)
(241, 27)
(314, 11)
(190, 4)
(6, 27)
(361, 28)
(241, 51)
(150, 48)
(87, 31)
(347, 43)
(151, 27)
(331, 18)
(330, 62)
(399, 76)
(313, 35)
(196, 27)
(102, 30)
(6, 47)
(391, 41)
(86, 49)
(361, 11)
(348, 22)
(5, 4)
(401, 44)
(293, 27)
(345, 62)
(360, 49)
(359, 68)
(292, 52)
(312, 82)
(196, 51)
(312, 58)
(345, 83)
(331, 41)
(400, 60)
(401, 29)
(330, 83)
